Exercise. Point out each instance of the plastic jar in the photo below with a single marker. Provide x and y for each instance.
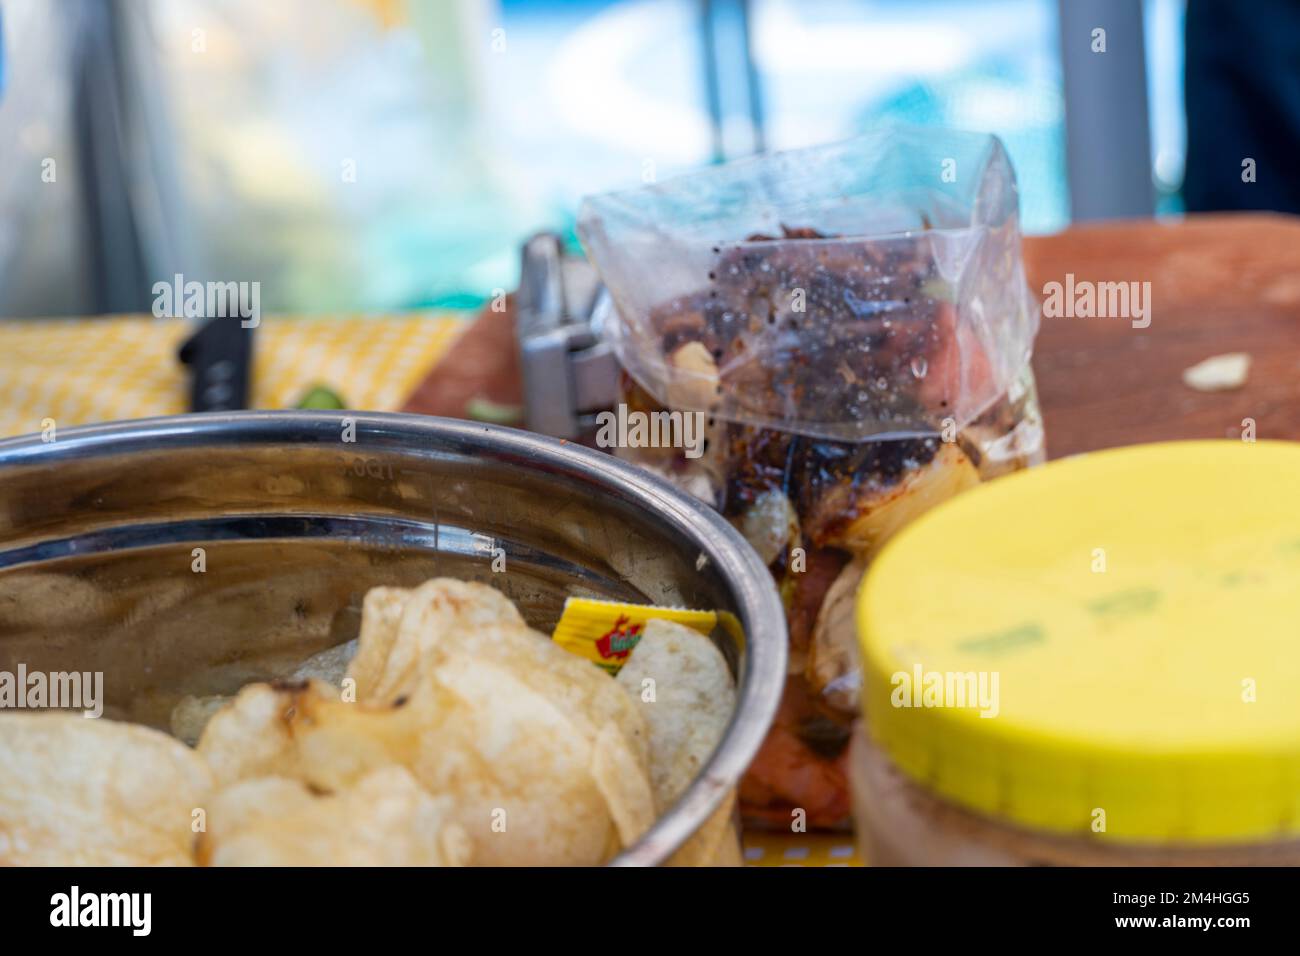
(1093, 662)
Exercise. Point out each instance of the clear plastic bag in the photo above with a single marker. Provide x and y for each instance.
(853, 323)
(871, 288)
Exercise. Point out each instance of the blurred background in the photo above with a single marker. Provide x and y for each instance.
(379, 155)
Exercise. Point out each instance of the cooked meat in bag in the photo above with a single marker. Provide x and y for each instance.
(852, 325)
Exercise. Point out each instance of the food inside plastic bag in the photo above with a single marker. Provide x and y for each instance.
(853, 326)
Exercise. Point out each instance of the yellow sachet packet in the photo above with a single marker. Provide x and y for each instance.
(604, 632)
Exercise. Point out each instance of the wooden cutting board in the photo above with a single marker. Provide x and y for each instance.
(1219, 284)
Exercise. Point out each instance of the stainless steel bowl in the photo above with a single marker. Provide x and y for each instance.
(292, 516)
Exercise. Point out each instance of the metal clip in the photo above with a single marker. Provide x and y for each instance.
(568, 373)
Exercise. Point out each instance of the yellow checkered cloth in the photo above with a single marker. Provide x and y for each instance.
(82, 371)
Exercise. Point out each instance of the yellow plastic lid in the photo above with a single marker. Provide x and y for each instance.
(1134, 616)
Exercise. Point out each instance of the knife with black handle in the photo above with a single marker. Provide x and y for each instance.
(220, 359)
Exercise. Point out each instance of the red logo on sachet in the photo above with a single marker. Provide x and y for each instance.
(619, 641)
